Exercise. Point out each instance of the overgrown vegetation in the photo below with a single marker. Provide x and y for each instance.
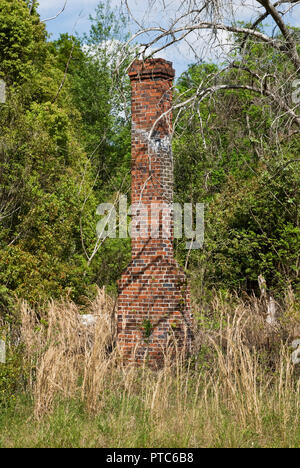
(245, 168)
(64, 149)
(239, 389)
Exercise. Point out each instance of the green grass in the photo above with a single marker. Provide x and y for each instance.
(239, 389)
(127, 423)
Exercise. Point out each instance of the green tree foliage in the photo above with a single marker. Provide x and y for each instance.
(45, 174)
(235, 153)
(65, 148)
(22, 42)
(101, 96)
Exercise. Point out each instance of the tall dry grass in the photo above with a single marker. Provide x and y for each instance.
(240, 377)
(66, 358)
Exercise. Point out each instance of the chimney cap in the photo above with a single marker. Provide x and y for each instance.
(151, 69)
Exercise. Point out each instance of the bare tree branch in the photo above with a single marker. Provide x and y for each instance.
(290, 43)
(279, 45)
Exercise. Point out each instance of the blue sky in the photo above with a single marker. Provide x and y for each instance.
(75, 16)
(77, 12)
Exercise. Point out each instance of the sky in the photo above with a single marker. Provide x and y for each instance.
(75, 18)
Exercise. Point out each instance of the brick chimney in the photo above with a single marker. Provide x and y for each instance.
(154, 305)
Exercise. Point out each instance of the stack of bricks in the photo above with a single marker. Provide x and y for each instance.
(154, 305)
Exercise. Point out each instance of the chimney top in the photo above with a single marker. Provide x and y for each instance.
(151, 69)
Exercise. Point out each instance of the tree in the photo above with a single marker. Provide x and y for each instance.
(192, 19)
(236, 139)
(102, 99)
(227, 156)
(42, 163)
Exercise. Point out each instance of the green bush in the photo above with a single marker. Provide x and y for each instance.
(11, 377)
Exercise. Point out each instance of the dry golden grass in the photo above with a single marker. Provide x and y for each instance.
(239, 388)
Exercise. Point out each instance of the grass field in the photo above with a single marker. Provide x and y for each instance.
(238, 389)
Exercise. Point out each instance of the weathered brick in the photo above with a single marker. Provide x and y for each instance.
(153, 289)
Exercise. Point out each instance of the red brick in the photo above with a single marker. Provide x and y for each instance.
(153, 287)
